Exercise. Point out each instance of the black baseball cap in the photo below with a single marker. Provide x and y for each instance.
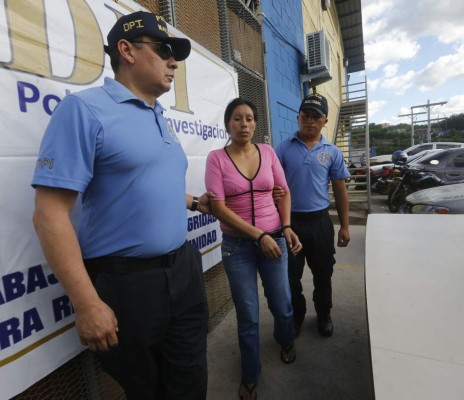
(143, 23)
(316, 102)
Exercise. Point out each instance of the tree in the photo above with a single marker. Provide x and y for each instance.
(387, 139)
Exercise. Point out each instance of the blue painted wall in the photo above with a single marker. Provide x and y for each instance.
(284, 37)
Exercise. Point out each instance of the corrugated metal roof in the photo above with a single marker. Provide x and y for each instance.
(350, 18)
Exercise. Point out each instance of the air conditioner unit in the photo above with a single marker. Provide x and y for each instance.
(318, 49)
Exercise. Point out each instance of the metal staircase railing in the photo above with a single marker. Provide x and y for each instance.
(352, 138)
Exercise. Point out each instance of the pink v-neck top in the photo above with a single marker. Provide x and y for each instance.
(250, 199)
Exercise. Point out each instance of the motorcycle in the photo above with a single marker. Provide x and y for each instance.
(376, 172)
(412, 181)
(388, 177)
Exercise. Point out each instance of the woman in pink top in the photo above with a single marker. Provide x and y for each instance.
(255, 236)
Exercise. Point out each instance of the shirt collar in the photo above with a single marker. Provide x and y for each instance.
(120, 94)
(323, 140)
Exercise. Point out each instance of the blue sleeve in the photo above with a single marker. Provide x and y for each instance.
(69, 147)
(338, 169)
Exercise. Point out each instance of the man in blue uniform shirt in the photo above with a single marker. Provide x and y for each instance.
(135, 283)
(310, 162)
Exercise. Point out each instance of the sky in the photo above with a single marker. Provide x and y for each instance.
(414, 53)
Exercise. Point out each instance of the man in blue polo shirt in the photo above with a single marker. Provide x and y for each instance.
(135, 283)
(310, 162)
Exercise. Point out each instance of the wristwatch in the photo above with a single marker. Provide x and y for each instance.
(195, 203)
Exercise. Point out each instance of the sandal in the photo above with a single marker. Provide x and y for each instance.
(247, 391)
(288, 354)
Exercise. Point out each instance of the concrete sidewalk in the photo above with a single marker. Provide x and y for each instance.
(336, 368)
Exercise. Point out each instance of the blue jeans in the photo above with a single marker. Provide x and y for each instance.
(242, 260)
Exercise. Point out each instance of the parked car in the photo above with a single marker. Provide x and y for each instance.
(384, 173)
(415, 158)
(440, 200)
(417, 148)
(447, 165)
(410, 151)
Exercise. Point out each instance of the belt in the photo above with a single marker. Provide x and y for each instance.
(278, 233)
(118, 265)
(275, 234)
(310, 215)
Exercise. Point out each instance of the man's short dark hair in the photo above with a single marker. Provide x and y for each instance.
(115, 56)
(115, 59)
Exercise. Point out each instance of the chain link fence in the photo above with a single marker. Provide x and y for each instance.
(247, 56)
(231, 30)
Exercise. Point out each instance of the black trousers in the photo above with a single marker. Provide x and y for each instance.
(162, 318)
(316, 233)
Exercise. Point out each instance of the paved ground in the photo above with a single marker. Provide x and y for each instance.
(337, 368)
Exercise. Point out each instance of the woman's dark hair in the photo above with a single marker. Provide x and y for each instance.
(233, 105)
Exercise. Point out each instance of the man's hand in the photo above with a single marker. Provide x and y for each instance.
(203, 202)
(343, 237)
(292, 240)
(277, 193)
(97, 326)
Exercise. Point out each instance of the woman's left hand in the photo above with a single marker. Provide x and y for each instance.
(292, 240)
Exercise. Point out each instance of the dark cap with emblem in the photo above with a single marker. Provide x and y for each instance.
(142, 23)
(316, 102)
